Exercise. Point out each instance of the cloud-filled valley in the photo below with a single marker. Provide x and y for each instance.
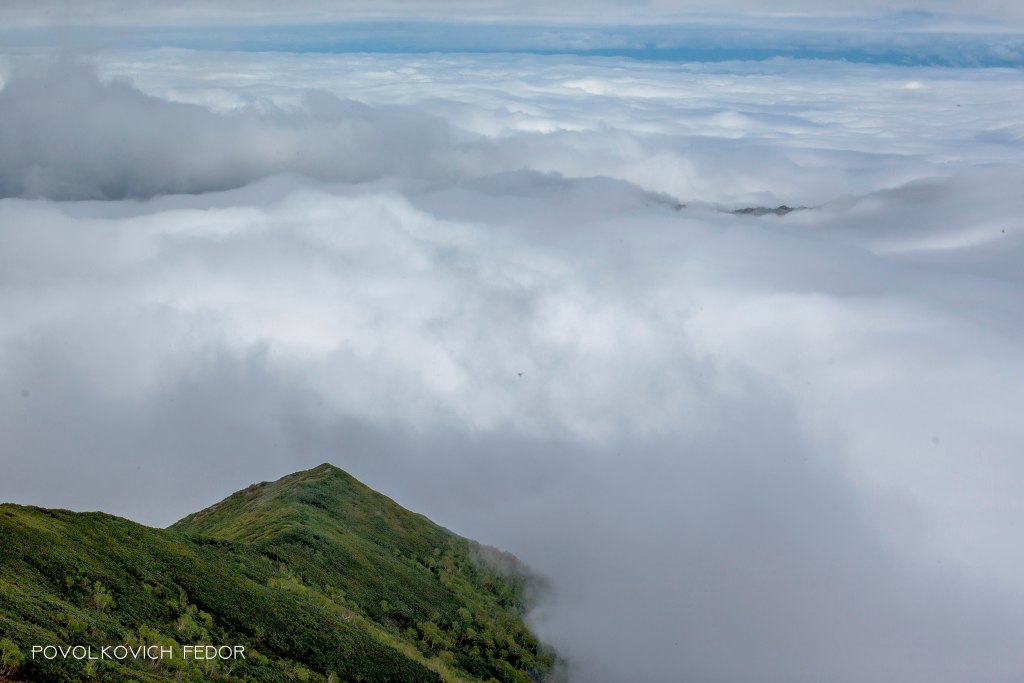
(509, 292)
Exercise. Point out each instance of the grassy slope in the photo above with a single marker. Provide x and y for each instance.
(315, 574)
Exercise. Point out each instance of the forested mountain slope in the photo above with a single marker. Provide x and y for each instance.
(317, 576)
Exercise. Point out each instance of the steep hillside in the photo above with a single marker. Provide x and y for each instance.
(317, 576)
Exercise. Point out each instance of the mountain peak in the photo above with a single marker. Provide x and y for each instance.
(323, 468)
(316, 571)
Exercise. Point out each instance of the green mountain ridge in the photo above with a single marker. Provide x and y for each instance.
(318, 577)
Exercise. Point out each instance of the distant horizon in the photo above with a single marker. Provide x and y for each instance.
(892, 44)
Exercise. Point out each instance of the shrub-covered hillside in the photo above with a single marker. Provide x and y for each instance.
(317, 576)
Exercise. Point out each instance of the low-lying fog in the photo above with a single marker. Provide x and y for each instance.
(754, 449)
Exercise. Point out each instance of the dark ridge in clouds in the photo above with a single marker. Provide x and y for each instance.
(782, 449)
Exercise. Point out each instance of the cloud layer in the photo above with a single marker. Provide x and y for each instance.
(772, 449)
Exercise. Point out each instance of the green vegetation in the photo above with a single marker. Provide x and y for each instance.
(319, 577)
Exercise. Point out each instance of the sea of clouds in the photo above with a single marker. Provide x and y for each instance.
(509, 292)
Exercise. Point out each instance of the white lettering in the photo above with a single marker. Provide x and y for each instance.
(122, 652)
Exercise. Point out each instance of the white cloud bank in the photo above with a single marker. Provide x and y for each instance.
(744, 449)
